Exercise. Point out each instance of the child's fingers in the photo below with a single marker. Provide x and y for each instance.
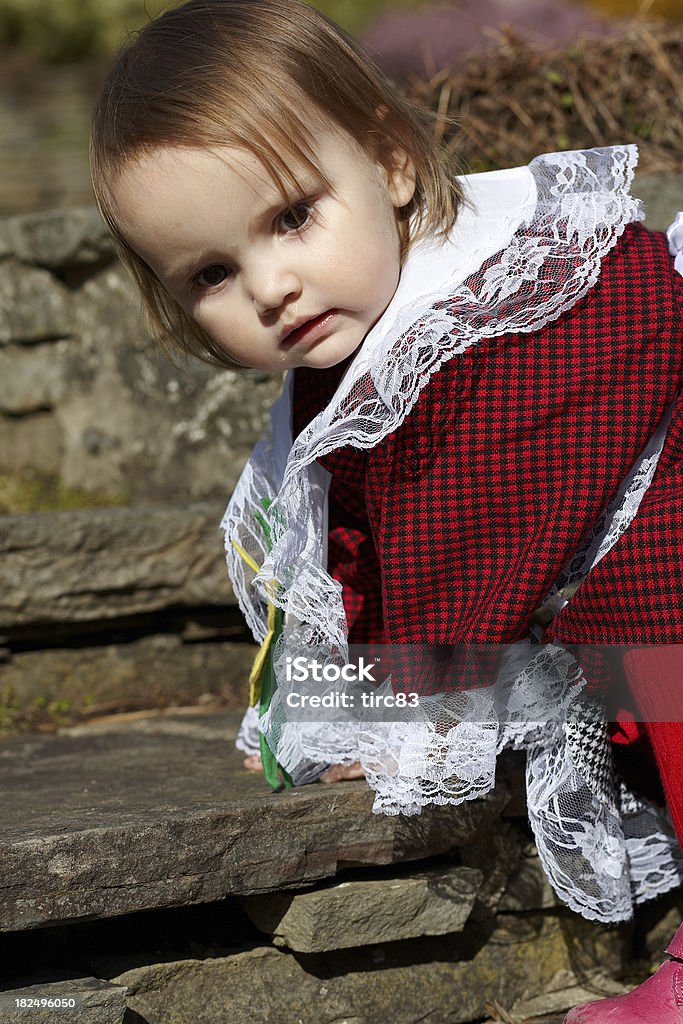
(342, 772)
(253, 763)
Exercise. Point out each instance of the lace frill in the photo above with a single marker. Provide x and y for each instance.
(600, 852)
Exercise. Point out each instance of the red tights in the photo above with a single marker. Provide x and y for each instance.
(655, 677)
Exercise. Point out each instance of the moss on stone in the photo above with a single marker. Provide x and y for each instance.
(31, 491)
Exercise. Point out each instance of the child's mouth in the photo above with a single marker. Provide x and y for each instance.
(311, 330)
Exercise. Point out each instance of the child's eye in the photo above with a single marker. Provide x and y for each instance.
(296, 217)
(213, 276)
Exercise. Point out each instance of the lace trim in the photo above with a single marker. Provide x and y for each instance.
(675, 236)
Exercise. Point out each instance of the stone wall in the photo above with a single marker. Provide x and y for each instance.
(84, 395)
(111, 609)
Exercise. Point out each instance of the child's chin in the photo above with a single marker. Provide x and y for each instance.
(324, 358)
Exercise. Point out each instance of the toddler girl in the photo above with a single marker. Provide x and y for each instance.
(479, 436)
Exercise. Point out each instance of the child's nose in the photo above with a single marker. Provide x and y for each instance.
(272, 286)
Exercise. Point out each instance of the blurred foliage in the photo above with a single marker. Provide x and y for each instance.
(28, 490)
(70, 30)
(502, 110)
(356, 15)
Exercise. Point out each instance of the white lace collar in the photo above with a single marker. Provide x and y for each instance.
(495, 204)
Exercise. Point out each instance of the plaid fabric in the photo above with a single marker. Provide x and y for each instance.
(351, 556)
(464, 517)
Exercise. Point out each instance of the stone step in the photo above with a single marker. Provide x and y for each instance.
(154, 813)
(435, 982)
(88, 1000)
(129, 848)
(100, 565)
(365, 912)
(264, 984)
(46, 689)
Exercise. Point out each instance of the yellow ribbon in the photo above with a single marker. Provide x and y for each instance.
(257, 668)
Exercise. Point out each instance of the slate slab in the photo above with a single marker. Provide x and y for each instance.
(363, 912)
(163, 668)
(57, 238)
(87, 1000)
(105, 563)
(34, 305)
(95, 825)
(426, 980)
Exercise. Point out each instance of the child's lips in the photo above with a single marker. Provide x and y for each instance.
(310, 330)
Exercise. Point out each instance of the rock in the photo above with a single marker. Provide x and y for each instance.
(657, 925)
(662, 196)
(126, 417)
(93, 565)
(361, 912)
(34, 305)
(34, 441)
(169, 432)
(106, 824)
(528, 887)
(32, 379)
(94, 1002)
(497, 857)
(442, 981)
(594, 946)
(194, 722)
(563, 992)
(149, 672)
(57, 238)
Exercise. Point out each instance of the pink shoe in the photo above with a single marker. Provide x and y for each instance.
(659, 1000)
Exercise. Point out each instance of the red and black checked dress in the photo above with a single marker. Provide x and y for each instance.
(454, 527)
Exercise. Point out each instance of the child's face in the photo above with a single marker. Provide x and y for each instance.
(277, 285)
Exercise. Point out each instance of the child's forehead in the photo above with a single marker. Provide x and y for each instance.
(286, 159)
(172, 178)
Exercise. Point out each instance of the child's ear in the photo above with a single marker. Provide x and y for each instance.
(400, 177)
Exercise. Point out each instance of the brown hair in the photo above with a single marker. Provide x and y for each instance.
(223, 73)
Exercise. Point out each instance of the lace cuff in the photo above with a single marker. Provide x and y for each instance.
(675, 235)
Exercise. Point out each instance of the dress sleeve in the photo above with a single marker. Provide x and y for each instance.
(352, 561)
